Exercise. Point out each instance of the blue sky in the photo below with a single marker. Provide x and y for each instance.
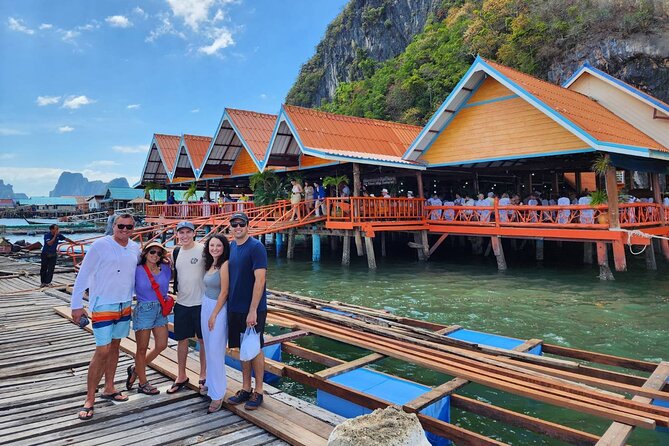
(85, 84)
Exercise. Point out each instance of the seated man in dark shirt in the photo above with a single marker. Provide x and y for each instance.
(49, 253)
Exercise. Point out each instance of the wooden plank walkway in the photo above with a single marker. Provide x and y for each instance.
(43, 364)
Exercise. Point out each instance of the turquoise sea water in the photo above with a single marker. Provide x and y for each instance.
(560, 301)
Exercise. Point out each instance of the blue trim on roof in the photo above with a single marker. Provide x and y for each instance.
(658, 155)
(182, 145)
(488, 101)
(450, 118)
(273, 138)
(533, 155)
(586, 67)
(352, 159)
(443, 106)
(211, 144)
(244, 143)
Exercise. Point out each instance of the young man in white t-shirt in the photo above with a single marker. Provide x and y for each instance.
(189, 268)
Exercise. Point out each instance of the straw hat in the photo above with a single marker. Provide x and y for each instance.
(152, 244)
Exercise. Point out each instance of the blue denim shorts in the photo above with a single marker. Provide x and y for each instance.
(148, 315)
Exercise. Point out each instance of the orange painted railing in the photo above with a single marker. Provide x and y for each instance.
(374, 209)
(194, 210)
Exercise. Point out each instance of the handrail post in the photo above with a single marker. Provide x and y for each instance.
(496, 211)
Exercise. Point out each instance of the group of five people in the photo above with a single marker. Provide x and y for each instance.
(220, 289)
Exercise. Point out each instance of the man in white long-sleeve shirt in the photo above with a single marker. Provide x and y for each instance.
(108, 272)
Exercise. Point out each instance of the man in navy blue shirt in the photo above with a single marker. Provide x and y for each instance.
(247, 304)
(49, 253)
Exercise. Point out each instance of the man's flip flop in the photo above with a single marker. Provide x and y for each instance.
(132, 376)
(87, 413)
(177, 386)
(116, 396)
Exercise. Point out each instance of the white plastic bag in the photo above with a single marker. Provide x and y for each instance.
(250, 344)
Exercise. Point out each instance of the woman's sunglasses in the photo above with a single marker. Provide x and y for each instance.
(154, 252)
(122, 226)
(238, 224)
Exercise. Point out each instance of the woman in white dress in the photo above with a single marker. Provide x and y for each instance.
(214, 317)
(295, 198)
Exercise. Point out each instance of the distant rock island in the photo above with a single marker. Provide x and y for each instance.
(7, 191)
(71, 183)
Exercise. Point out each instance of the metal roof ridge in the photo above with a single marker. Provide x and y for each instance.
(381, 122)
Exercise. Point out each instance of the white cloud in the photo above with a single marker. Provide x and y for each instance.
(195, 110)
(222, 39)
(140, 12)
(65, 129)
(7, 131)
(46, 26)
(165, 28)
(133, 106)
(34, 181)
(220, 15)
(74, 102)
(47, 100)
(263, 96)
(118, 21)
(7, 156)
(19, 26)
(193, 12)
(70, 36)
(102, 163)
(140, 148)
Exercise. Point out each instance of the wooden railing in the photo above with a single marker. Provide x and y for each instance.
(185, 211)
(375, 209)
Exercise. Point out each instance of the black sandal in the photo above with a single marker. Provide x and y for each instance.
(88, 413)
(177, 386)
(147, 389)
(202, 388)
(132, 376)
(117, 397)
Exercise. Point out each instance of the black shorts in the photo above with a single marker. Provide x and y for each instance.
(187, 322)
(237, 326)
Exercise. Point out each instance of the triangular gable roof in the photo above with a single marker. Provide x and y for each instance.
(341, 138)
(239, 129)
(160, 158)
(623, 86)
(196, 149)
(580, 115)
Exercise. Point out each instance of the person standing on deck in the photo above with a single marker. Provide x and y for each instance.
(109, 229)
(108, 272)
(50, 254)
(247, 305)
(214, 319)
(189, 287)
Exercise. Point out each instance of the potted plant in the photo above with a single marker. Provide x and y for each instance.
(267, 187)
(190, 192)
(598, 198)
(149, 189)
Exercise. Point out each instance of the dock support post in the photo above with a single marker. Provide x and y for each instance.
(371, 259)
(497, 248)
(290, 250)
(651, 263)
(603, 261)
(426, 244)
(539, 245)
(421, 250)
(333, 242)
(358, 244)
(383, 244)
(315, 248)
(346, 252)
(619, 259)
(278, 240)
(587, 253)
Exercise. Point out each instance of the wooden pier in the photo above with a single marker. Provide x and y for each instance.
(44, 360)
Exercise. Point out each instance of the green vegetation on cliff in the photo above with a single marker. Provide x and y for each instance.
(524, 34)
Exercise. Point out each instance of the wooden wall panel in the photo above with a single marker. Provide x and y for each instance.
(312, 161)
(500, 130)
(489, 89)
(244, 164)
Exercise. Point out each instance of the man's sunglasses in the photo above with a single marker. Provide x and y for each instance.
(238, 224)
(154, 252)
(121, 226)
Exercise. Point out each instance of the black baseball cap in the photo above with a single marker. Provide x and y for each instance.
(240, 216)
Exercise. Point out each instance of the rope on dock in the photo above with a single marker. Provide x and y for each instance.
(638, 233)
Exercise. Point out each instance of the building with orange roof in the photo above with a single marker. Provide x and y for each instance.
(190, 158)
(160, 159)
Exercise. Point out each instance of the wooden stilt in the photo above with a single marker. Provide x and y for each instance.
(358, 244)
(497, 248)
(418, 244)
(383, 244)
(619, 259)
(603, 261)
(426, 245)
(346, 251)
(539, 247)
(587, 253)
(290, 250)
(315, 248)
(438, 243)
(334, 243)
(651, 264)
(579, 186)
(278, 240)
(419, 181)
(371, 259)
